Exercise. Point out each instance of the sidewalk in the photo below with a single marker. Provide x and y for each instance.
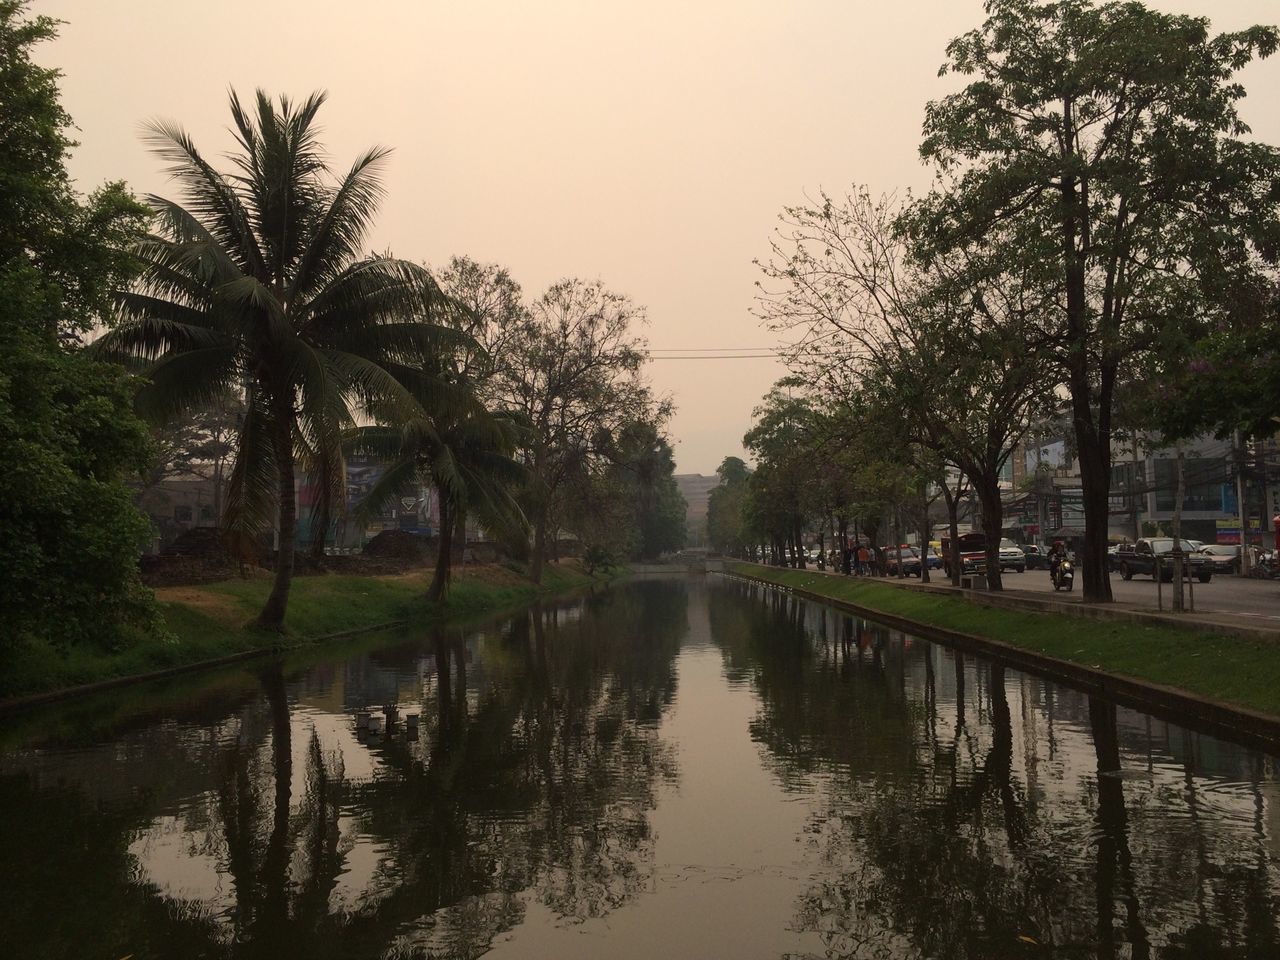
(1073, 605)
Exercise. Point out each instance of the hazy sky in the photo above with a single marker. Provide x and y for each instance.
(649, 144)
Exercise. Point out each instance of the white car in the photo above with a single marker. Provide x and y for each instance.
(1012, 557)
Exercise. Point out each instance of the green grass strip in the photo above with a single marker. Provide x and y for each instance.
(1232, 669)
(319, 606)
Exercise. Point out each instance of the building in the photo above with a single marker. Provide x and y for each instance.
(696, 489)
(1144, 484)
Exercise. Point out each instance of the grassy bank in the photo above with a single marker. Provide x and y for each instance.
(210, 621)
(1230, 669)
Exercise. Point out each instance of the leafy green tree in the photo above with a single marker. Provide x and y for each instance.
(69, 534)
(259, 281)
(946, 359)
(572, 373)
(781, 441)
(1100, 144)
(725, 522)
(644, 465)
(469, 459)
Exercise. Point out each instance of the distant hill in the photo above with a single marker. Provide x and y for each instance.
(696, 490)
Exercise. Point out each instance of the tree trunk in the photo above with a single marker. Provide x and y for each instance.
(459, 535)
(272, 615)
(799, 543)
(988, 490)
(1095, 482)
(539, 544)
(217, 491)
(842, 544)
(953, 528)
(439, 588)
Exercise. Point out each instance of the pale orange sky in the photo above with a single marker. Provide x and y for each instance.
(649, 144)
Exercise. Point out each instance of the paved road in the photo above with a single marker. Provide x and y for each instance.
(1226, 594)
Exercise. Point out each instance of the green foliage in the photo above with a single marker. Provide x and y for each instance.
(69, 534)
(598, 557)
(1098, 146)
(572, 373)
(326, 605)
(259, 281)
(642, 469)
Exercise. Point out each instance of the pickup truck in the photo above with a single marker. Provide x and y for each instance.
(1146, 555)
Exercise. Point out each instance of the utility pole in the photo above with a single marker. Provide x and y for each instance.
(1133, 493)
(1177, 534)
(1245, 559)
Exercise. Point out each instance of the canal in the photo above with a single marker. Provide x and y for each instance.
(667, 768)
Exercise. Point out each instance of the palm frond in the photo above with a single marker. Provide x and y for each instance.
(374, 386)
(212, 199)
(154, 330)
(253, 485)
(377, 290)
(337, 237)
(398, 480)
(282, 179)
(183, 381)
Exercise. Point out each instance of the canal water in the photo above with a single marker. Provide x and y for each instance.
(667, 768)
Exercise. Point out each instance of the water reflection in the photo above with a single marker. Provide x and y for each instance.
(535, 761)
(664, 767)
(970, 812)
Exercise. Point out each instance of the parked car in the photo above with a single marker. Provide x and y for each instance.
(933, 558)
(909, 557)
(1012, 557)
(1148, 555)
(1224, 557)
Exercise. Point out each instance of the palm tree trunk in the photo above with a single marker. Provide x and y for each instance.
(459, 535)
(539, 545)
(272, 615)
(439, 588)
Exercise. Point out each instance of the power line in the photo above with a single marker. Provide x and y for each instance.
(717, 356)
(773, 349)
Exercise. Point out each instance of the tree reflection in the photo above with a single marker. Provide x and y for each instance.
(932, 842)
(536, 763)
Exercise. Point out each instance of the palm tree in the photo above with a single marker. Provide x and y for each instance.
(468, 456)
(257, 283)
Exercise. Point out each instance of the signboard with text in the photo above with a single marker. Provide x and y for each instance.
(1229, 531)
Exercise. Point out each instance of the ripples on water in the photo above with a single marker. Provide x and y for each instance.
(666, 768)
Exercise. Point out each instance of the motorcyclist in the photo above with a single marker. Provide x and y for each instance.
(1057, 553)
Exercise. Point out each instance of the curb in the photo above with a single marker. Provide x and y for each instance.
(1241, 724)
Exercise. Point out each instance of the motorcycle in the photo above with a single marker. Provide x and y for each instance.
(1063, 576)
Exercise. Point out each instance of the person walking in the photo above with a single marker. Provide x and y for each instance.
(864, 558)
